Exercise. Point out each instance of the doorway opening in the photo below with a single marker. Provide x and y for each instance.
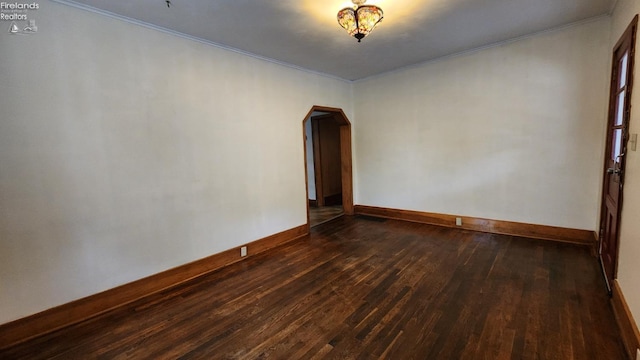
(328, 164)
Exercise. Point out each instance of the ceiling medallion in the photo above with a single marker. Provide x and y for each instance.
(360, 20)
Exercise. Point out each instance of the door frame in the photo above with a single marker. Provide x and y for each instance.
(630, 32)
(346, 161)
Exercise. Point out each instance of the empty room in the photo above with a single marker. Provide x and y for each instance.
(380, 179)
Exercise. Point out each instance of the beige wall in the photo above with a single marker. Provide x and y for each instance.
(628, 264)
(125, 151)
(513, 132)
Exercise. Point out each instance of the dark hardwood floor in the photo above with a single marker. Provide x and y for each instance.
(363, 288)
(322, 214)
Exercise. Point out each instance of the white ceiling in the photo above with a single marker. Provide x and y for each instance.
(305, 33)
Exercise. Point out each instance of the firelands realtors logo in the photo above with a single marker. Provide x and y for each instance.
(18, 15)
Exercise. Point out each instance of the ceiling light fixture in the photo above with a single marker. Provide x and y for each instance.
(360, 20)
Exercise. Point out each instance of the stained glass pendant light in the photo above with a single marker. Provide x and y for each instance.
(359, 20)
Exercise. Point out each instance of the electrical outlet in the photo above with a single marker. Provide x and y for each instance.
(458, 221)
(243, 251)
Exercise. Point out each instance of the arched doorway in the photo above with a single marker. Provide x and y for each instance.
(338, 117)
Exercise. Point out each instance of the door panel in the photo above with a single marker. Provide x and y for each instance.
(330, 153)
(617, 136)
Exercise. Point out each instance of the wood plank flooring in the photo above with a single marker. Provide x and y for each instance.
(363, 288)
(322, 214)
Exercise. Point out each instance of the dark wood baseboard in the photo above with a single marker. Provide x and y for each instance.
(76, 311)
(544, 232)
(313, 203)
(626, 323)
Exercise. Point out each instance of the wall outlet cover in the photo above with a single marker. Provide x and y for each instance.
(458, 221)
(243, 251)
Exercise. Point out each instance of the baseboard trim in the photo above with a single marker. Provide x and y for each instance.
(624, 318)
(543, 232)
(21, 330)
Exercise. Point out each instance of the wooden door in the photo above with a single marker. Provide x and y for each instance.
(616, 149)
(327, 162)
